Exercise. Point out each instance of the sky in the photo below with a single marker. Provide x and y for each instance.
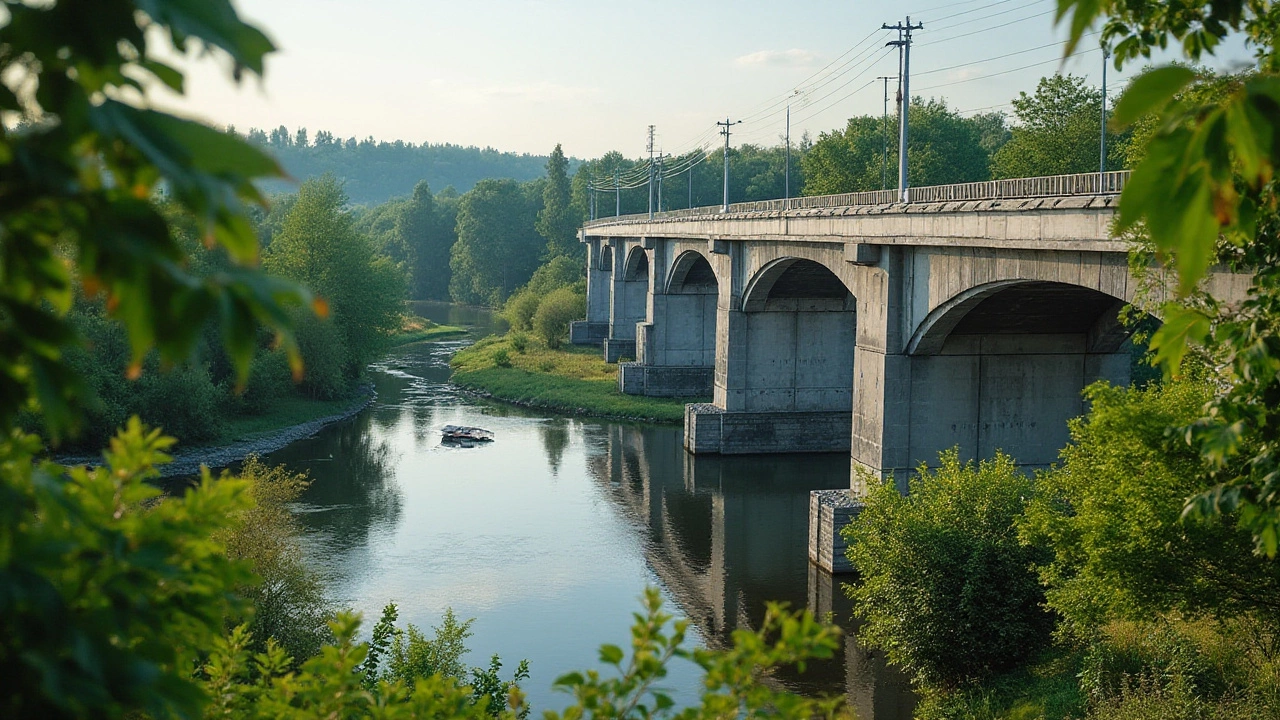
(524, 75)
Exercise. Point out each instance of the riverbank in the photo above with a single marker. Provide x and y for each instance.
(417, 329)
(576, 381)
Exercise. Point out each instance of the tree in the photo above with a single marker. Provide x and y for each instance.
(945, 148)
(1057, 132)
(946, 589)
(1205, 191)
(427, 229)
(319, 247)
(556, 220)
(497, 248)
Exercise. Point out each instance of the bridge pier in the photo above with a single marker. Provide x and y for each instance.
(676, 345)
(629, 299)
(595, 328)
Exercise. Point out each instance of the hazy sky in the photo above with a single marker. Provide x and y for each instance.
(522, 75)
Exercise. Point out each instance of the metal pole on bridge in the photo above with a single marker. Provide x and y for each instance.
(1102, 133)
(904, 42)
(725, 132)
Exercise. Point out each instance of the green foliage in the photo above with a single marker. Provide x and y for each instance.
(1205, 190)
(287, 601)
(1112, 514)
(324, 348)
(733, 681)
(501, 358)
(319, 247)
(428, 230)
(497, 248)
(945, 148)
(555, 312)
(520, 309)
(557, 222)
(79, 173)
(183, 400)
(1057, 132)
(946, 589)
(108, 595)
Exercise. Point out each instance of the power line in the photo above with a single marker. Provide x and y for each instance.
(1011, 70)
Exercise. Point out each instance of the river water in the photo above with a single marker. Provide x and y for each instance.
(549, 535)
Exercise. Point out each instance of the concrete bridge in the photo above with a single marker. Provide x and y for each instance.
(972, 316)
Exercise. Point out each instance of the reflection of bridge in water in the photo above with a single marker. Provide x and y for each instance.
(727, 534)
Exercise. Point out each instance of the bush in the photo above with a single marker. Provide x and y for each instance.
(501, 358)
(269, 380)
(519, 341)
(946, 589)
(561, 307)
(1113, 515)
(520, 308)
(183, 400)
(288, 601)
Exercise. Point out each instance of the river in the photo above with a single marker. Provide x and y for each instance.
(549, 535)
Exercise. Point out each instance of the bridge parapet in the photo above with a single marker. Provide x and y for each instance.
(1057, 186)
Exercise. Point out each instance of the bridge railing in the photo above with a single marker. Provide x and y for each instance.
(1109, 183)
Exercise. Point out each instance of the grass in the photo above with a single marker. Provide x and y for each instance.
(414, 329)
(574, 379)
(285, 412)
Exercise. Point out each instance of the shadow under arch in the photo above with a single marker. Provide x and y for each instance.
(637, 266)
(1002, 367)
(801, 327)
(692, 273)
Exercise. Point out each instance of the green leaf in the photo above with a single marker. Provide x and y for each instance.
(1149, 92)
(1182, 327)
(610, 654)
(166, 74)
(216, 23)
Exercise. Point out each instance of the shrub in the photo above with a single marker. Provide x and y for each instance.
(269, 380)
(519, 341)
(501, 358)
(520, 309)
(1113, 515)
(288, 601)
(561, 307)
(946, 589)
(324, 355)
(183, 400)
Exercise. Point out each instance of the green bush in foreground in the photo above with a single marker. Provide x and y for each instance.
(557, 310)
(946, 588)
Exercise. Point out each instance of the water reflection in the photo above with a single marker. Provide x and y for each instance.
(353, 491)
(548, 535)
(725, 535)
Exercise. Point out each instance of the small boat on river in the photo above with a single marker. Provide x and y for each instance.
(463, 434)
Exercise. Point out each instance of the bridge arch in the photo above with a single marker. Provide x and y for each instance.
(605, 262)
(690, 316)
(1001, 367)
(637, 267)
(691, 273)
(801, 325)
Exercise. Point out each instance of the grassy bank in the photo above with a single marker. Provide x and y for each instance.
(576, 380)
(415, 329)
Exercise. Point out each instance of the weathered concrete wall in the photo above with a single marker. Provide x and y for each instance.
(711, 430)
(799, 360)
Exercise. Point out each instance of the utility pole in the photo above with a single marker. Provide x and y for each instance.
(1102, 154)
(724, 130)
(591, 201)
(617, 195)
(690, 171)
(884, 134)
(649, 147)
(903, 43)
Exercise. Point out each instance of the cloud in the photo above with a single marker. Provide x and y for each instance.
(794, 57)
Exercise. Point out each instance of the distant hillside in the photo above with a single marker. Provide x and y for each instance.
(374, 172)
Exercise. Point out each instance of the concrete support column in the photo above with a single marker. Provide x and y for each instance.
(595, 328)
